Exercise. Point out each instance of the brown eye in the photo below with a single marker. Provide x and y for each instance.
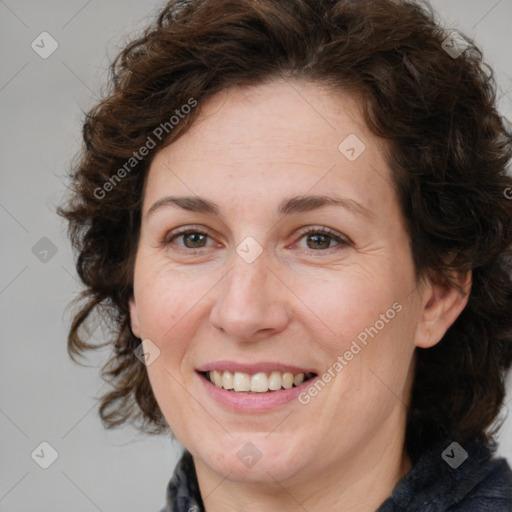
(321, 239)
(190, 239)
(195, 239)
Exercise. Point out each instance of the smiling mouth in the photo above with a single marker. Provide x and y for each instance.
(257, 383)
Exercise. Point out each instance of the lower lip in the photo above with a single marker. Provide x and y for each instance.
(253, 402)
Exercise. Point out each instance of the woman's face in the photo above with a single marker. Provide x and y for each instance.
(260, 289)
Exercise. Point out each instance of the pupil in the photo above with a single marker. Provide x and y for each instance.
(194, 238)
(318, 238)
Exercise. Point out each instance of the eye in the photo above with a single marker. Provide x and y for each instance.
(321, 238)
(318, 239)
(191, 238)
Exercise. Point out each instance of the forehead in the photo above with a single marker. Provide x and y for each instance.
(280, 113)
(273, 137)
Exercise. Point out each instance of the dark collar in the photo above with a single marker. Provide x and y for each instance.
(432, 485)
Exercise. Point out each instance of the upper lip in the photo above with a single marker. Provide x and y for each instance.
(252, 368)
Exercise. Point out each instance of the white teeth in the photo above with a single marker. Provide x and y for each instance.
(217, 378)
(227, 380)
(287, 380)
(257, 383)
(298, 379)
(274, 382)
(241, 382)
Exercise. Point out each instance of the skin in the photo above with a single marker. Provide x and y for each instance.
(298, 304)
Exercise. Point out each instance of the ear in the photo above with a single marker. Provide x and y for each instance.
(442, 303)
(134, 318)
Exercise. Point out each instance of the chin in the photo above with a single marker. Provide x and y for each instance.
(254, 458)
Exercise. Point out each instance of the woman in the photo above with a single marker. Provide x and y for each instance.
(293, 216)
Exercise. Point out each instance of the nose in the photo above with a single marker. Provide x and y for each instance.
(251, 301)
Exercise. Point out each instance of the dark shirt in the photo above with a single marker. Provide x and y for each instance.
(480, 483)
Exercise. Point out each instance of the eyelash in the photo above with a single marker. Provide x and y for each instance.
(169, 237)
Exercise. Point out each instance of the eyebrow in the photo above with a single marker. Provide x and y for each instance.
(293, 205)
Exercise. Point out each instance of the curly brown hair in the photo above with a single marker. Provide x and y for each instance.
(448, 150)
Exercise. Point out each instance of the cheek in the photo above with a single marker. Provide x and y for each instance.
(170, 308)
(367, 318)
(346, 303)
(173, 306)
(165, 303)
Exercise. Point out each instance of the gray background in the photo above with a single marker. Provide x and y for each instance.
(43, 395)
